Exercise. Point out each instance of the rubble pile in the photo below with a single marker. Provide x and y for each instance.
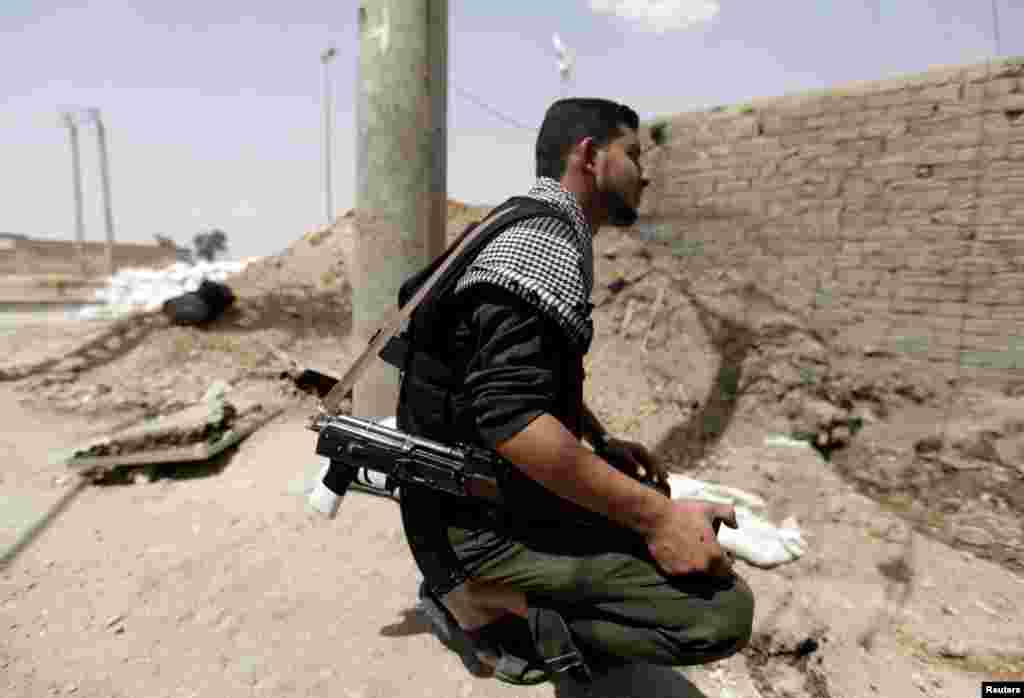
(297, 301)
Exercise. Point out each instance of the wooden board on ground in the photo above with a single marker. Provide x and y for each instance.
(249, 420)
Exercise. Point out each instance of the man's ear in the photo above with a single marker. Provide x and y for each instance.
(588, 154)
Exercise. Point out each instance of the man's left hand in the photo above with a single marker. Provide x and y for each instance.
(635, 460)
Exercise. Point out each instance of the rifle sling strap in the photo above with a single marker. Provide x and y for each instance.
(397, 316)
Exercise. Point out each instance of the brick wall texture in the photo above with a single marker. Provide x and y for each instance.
(896, 206)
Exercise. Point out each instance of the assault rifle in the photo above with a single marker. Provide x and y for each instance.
(356, 445)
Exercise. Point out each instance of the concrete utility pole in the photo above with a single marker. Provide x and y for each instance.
(101, 139)
(325, 59)
(401, 167)
(76, 183)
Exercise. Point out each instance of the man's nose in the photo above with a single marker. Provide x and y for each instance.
(644, 182)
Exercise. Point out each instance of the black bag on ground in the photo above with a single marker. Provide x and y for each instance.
(205, 304)
(217, 296)
(186, 309)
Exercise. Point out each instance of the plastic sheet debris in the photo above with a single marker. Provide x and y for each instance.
(780, 440)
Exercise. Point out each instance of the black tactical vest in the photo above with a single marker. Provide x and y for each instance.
(421, 352)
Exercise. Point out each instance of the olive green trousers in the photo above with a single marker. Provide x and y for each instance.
(618, 604)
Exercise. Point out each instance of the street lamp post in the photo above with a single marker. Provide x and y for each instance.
(325, 58)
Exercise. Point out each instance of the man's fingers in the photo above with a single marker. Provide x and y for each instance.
(639, 467)
(720, 564)
(717, 561)
(651, 463)
(629, 465)
(726, 513)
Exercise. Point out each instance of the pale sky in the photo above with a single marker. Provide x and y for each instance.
(213, 109)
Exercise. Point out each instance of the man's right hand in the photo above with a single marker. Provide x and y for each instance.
(684, 540)
(680, 534)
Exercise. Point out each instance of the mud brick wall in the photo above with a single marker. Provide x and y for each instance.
(892, 211)
(61, 257)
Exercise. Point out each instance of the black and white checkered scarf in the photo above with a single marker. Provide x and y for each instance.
(545, 262)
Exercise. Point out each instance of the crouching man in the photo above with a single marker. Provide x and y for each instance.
(586, 564)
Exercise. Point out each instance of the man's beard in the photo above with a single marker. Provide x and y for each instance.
(620, 213)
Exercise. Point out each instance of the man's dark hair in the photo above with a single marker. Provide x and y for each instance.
(568, 121)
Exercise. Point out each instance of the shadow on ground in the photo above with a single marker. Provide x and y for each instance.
(113, 476)
(636, 681)
(186, 470)
(121, 338)
(689, 442)
(412, 623)
(733, 342)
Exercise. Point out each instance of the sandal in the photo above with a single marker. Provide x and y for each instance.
(510, 668)
(449, 632)
(529, 652)
(554, 643)
(518, 663)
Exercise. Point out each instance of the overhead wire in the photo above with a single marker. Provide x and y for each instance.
(493, 111)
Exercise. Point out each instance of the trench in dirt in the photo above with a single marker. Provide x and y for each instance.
(930, 491)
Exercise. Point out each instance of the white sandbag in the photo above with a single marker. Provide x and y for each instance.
(132, 290)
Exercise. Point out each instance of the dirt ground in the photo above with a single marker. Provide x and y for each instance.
(215, 580)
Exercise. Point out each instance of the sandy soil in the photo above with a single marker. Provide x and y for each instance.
(215, 580)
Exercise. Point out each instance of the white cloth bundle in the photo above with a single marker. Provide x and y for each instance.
(757, 541)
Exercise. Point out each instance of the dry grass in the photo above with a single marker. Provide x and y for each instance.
(183, 345)
(187, 342)
(328, 279)
(897, 503)
(62, 282)
(979, 664)
(317, 236)
(231, 344)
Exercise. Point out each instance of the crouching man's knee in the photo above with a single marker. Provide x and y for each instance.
(721, 630)
(733, 625)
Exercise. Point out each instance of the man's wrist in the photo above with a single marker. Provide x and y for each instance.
(618, 496)
(596, 434)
